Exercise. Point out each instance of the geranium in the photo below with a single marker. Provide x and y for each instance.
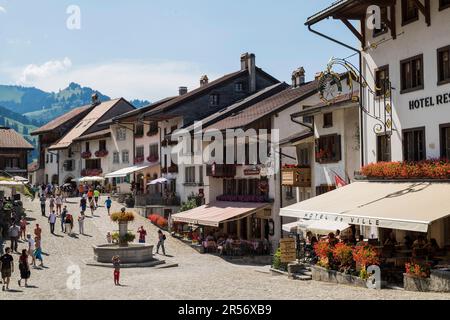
(86, 155)
(101, 153)
(162, 222)
(418, 270)
(343, 256)
(427, 169)
(325, 253)
(365, 256)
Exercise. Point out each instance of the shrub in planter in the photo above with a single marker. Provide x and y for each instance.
(418, 270)
(324, 252)
(276, 262)
(365, 256)
(153, 218)
(128, 237)
(162, 222)
(343, 257)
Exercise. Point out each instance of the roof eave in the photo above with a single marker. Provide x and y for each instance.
(327, 13)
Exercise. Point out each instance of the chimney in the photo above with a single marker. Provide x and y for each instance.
(182, 90)
(248, 62)
(204, 80)
(95, 100)
(298, 77)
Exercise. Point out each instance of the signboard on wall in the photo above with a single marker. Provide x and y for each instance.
(288, 250)
(427, 102)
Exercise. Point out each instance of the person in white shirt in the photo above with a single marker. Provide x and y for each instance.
(31, 248)
(58, 202)
(52, 221)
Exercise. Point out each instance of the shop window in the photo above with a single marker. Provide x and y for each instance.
(410, 12)
(214, 100)
(443, 56)
(125, 156)
(303, 157)
(445, 141)
(412, 74)
(289, 192)
(116, 157)
(384, 27)
(414, 144)
(328, 149)
(383, 148)
(328, 120)
(381, 81)
(444, 4)
(189, 176)
(102, 145)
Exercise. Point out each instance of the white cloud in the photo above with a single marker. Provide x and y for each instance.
(130, 79)
(35, 73)
(2, 9)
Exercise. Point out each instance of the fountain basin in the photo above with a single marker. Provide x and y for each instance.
(133, 253)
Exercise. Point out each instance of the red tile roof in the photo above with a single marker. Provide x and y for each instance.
(10, 139)
(55, 123)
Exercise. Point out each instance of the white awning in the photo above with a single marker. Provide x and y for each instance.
(404, 206)
(122, 173)
(91, 179)
(158, 181)
(324, 227)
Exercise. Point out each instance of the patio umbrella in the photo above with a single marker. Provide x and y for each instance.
(20, 179)
(158, 181)
(91, 179)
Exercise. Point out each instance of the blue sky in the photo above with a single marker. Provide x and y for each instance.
(146, 49)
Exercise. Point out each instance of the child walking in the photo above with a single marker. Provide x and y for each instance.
(116, 264)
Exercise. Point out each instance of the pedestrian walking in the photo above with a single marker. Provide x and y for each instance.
(142, 234)
(52, 221)
(96, 197)
(58, 202)
(14, 232)
(6, 268)
(161, 239)
(108, 204)
(52, 203)
(43, 199)
(80, 190)
(81, 223)
(92, 206)
(1, 239)
(90, 195)
(37, 253)
(31, 247)
(69, 223)
(83, 203)
(116, 265)
(109, 237)
(23, 229)
(24, 268)
(38, 231)
(63, 218)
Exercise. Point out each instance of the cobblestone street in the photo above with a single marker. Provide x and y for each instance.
(197, 276)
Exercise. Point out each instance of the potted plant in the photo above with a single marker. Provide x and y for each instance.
(123, 218)
(101, 153)
(417, 277)
(365, 256)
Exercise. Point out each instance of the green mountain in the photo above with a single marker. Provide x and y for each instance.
(41, 107)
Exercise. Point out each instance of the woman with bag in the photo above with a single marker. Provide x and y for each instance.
(24, 268)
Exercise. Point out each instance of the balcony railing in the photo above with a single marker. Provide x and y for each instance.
(221, 170)
(296, 177)
(91, 172)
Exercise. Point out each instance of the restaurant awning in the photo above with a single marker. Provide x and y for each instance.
(321, 227)
(403, 205)
(122, 173)
(219, 211)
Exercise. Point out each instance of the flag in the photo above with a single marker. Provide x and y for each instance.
(339, 181)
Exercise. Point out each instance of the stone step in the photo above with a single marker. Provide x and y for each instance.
(301, 277)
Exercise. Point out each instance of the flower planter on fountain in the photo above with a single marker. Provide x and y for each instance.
(128, 253)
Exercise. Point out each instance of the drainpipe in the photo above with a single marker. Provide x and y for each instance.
(361, 92)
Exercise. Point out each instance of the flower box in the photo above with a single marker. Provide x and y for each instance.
(86, 155)
(332, 276)
(138, 160)
(101, 153)
(91, 172)
(429, 169)
(152, 159)
(415, 283)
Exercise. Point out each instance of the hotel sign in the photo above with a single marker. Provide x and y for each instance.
(427, 102)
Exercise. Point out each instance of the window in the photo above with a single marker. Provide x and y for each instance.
(384, 28)
(289, 192)
(303, 157)
(153, 128)
(328, 149)
(139, 132)
(328, 120)
(102, 145)
(93, 164)
(87, 147)
(308, 119)
(443, 65)
(12, 163)
(200, 175)
(116, 157)
(189, 175)
(125, 156)
(412, 74)
(69, 153)
(51, 158)
(239, 87)
(69, 165)
(47, 158)
(383, 148)
(445, 141)
(154, 151)
(214, 100)
(410, 12)
(121, 134)
(382, 81)
(140, 152)
(414, 144)
(444, 4)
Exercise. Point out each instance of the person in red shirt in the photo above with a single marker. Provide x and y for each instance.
(142, 234)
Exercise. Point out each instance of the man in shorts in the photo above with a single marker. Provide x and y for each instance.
(96, 196)
(108, 204)
(7, 268)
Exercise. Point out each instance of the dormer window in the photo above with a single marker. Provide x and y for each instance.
(239, 87)
(214, 100)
